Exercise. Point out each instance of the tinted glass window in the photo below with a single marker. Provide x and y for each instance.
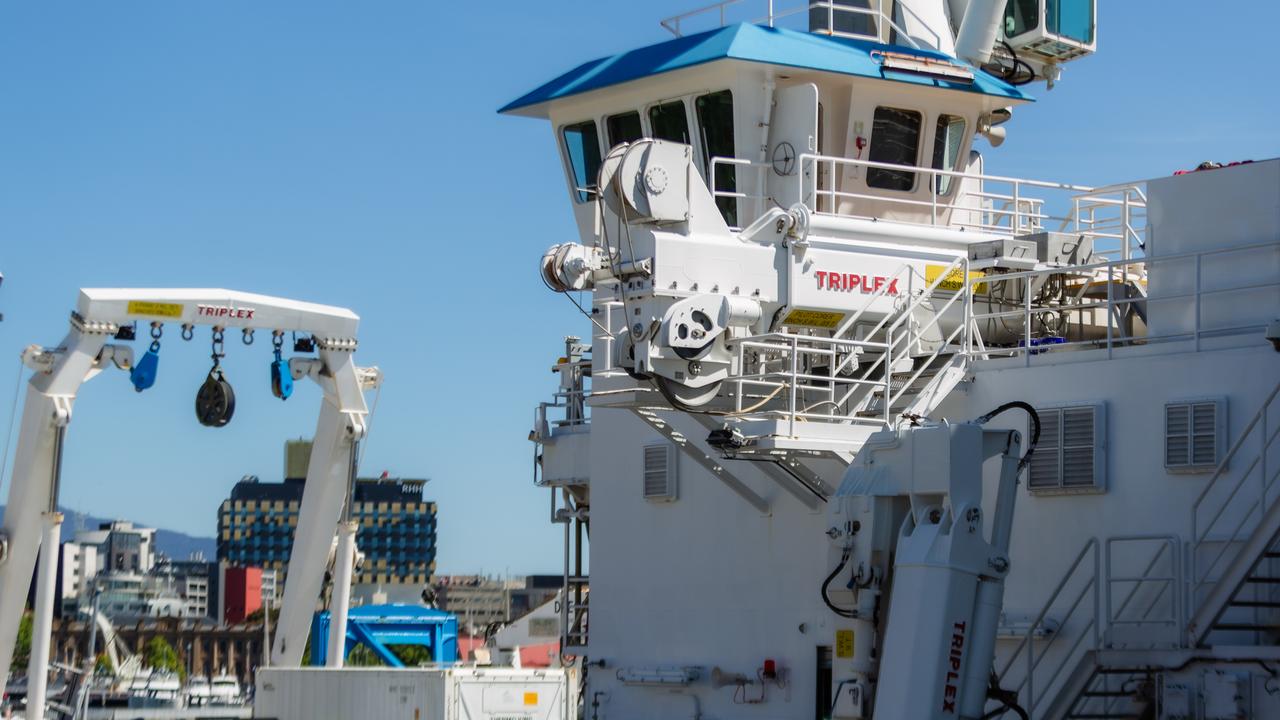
(1021, 16)
(669, 122)
(948, 137)
(582, 145)
(895, 139)
(1071, 18)
(715, 122)
(623, 128)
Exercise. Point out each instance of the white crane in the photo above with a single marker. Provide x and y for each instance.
(31, 520)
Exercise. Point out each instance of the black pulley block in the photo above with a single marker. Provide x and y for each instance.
(216, 401)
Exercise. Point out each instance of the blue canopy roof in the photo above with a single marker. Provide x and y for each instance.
(753, 43)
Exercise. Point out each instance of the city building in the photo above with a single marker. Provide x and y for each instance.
(242, 594)
(397, 534)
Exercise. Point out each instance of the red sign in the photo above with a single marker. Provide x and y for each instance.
(848, 282)
(224, 311)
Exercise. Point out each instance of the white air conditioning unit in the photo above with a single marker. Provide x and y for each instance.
(1051, 31)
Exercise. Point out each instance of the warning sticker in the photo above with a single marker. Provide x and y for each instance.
(814, 318)
(844, 643)
(954, 279)
(531, 698)
(157, 309)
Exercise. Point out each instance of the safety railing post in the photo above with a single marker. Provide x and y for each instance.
(1015, 221)
(1111, 272)
(888, 372)
(1124, 232)
(791, 395)
(1197, 321)
(1026, 321)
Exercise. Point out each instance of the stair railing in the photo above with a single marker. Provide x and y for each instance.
(1083, 579)
(960, 264)
(1210, 501)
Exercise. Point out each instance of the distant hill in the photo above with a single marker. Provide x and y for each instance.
(171, 543)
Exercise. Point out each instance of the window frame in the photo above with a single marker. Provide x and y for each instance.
(1099, 446)
(699, 137)
(1219, 434)
(640, 118)
(920, 148)
(585, 195)
(690, 121)
(961, 154)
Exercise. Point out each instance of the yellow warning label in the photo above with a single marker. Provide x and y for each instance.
(814, 318)
(844, 643)
(954, 279)
(142, 307)
(531, 698)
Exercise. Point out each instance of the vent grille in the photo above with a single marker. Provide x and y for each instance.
(659, 472)
(1193, 433)
(1069, 456)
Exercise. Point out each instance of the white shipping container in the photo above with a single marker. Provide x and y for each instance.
(412, 694)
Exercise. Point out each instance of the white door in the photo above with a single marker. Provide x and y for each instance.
(793, 132)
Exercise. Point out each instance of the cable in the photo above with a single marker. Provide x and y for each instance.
(1010, 74)
(844, 559)
(1035, 426)
(13, 411)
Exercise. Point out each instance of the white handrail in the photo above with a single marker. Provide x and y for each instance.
(772, 15)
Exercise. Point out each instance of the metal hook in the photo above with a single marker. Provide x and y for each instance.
(188, 331)
(246, 336)
(157, 329)
(217, 345)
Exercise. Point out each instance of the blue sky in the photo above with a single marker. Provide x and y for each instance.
(349, 153)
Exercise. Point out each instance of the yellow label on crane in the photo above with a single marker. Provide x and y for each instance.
(814, 318)
(531, 698)
(844, 643)
(955, 279)
(157, 309)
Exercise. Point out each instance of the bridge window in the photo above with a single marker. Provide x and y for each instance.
(623, 128)
(582, 148)
(948, 138)
(1021, 16)
(669, 122)
(895, 139)
(715, 122)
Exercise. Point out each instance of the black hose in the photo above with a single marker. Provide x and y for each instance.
(1010, 75)
(1035, 426)
(1008, 700)
(844, 560)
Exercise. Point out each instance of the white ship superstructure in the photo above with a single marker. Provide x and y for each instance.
(795, 262)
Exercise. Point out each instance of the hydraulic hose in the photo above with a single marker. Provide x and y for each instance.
(1035, 426)
(844, 560)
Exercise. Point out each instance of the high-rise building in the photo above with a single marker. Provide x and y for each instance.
(397, 534)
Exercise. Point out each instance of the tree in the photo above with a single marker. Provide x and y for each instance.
(158, 654)
(103, 665)
(22, 647)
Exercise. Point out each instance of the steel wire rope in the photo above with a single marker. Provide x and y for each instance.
(8, 435)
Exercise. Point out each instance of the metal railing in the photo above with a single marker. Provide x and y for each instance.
(1106, 305)
(1095, 597)
(1082, 583)
(773, 362)
(1113, 217)
(1152, 596)
(796, 17)
(1222, 515)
